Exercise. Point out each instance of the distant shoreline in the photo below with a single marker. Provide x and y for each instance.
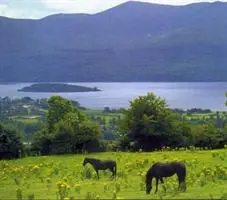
(82, 82)
(118, 95)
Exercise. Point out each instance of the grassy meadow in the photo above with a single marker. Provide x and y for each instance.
(64, 177)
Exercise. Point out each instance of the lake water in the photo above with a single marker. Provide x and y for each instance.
(117, 95)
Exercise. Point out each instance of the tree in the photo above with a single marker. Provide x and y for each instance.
(58, 108)
(10, 144)
(42, 142)
(207, 135)
(68, 129)
(148, 122)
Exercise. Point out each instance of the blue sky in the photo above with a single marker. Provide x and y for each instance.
(40, 8)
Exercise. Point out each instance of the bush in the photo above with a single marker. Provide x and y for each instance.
(10, 144)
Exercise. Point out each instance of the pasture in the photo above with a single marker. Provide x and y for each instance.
(64, 177)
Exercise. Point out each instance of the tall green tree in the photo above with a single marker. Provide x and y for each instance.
(58, 107)
(148, 122)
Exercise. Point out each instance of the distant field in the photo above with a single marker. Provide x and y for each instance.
(205, 116)
(100, 113)
(48, 176)
(27, 119)
(107, 115)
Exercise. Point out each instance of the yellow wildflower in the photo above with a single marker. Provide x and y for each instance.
(59, 183)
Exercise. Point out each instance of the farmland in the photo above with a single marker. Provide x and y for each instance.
(59, 177)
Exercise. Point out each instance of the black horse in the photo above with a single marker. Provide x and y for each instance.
(160, 170)
(102, 165)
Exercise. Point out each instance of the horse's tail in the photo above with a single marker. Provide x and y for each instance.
(182, 177)
(185, 174)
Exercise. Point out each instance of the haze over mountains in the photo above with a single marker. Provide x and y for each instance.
(131, 42)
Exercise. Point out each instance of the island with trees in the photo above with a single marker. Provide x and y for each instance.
(57, 87)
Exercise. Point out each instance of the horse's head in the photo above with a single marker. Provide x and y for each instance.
(148, 188)
(149, 178)
(85, 161)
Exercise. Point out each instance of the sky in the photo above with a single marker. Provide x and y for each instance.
(35, 9)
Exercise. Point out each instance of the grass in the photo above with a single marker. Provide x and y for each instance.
(64, 176)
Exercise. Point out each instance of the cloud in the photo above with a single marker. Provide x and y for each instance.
(91, 6)
(3, 8)
(85, 6)
(23, 9)
(59, 4)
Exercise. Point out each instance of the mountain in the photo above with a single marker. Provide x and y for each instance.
(133, 41)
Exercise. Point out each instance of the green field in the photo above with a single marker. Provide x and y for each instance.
(49, 176)
(27, 119)
(101, 113)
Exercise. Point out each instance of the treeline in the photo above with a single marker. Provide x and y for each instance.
(148, 124)
(25, 106)
(28, 115)
(192, 111)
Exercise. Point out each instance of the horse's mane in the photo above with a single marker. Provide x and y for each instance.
(92, 159)
(168, 163)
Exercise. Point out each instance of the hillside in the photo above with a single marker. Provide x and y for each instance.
(131, 42)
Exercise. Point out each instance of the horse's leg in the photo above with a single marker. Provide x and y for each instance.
(184, 185)
(156, 185)
(181, 180)
(161, 179)
(112, 170)
(115, 171)
(97, 172)
(179, 184)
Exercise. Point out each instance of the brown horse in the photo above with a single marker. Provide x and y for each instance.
(102, 165)
(160, 170)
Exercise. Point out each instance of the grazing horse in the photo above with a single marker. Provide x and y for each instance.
(159, 170)
(102, 165)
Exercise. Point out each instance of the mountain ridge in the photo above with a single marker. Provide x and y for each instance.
(133, 41)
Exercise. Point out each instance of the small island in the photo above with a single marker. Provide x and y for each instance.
(57, 87)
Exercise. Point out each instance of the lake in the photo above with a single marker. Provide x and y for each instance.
(182, 95)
